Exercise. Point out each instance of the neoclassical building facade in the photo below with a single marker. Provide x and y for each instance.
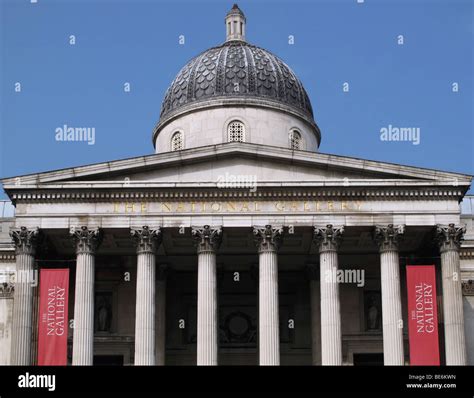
(238, 241)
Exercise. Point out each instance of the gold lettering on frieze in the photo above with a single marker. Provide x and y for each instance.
(256, 208)
(129, 207)
(280, 206)
(288, 206)
(165, 206)
(216, 206)
(294, 207)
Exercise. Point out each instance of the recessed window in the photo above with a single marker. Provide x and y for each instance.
(177, 141)
(236, 131)
(295, 139)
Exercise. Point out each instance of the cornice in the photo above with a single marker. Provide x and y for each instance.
(210, 193)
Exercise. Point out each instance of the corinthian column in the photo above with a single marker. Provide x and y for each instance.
(146, 241)
(87, 242)
(392, 321)
(207, 240)
(449, 239)
(328, 238)
(25, 244)
(268, 241)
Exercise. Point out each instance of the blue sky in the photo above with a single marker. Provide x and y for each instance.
(337, 41)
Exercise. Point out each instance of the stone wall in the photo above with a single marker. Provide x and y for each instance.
(209, 127)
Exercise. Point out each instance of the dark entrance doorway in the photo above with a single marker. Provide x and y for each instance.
(368, 359)
(108, 360)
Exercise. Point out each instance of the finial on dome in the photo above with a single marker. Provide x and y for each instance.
(235, 24)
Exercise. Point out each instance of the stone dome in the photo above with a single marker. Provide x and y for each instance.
(234, 75)
(236, 72)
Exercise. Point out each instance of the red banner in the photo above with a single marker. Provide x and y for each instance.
(53, 320)
(422, 315)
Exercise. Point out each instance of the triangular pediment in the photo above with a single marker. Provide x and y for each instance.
(268, 165)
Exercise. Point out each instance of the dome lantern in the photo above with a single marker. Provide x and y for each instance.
(235, 24)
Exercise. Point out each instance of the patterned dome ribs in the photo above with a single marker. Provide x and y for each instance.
(236, 70)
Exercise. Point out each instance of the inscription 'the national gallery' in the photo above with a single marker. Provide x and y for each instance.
(290, 206)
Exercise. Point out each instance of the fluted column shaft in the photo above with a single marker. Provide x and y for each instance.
(207, 240)
(146, 241)
(327, 239)
(87, 242)
(331, 337)
(449, 239)
(268, 240)
(83, 341)
(269, 334)
(25, 242)
(145, 310)
(392, 321)
(207, 309)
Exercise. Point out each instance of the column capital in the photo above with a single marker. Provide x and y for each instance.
(206, 238)
(328, 238)
(25, 240)
(146, 239)
(268, 238)
(449, 237)
(86, 240)
(387, 237)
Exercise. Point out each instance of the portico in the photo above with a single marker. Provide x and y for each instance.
(228, 280)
